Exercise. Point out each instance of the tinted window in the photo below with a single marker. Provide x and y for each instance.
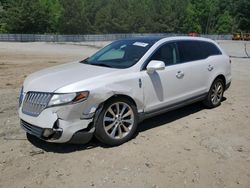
(196, 50)
(167, 54)
(189, 51)
(209, 49)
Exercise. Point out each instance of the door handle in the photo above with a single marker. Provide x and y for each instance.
(210, 68)
(180, 74)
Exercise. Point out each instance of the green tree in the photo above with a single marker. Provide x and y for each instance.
(191, 22)
(2, 22)
(53, 10)
(242, 14)
(103, 20)
(73, 19)
(93, 7)
(224, 24)
(139, 16)
(26, 16)
(124, 16)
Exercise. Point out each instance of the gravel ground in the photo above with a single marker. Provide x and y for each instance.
(190, 147)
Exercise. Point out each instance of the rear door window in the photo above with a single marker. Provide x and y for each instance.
(208, 49)
(189, 51)
(196, 50)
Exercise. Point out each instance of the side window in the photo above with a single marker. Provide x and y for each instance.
(167, 54)
(209, 49)
(196, 50)
(189, 51)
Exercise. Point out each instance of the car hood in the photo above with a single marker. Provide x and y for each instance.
(51, 79)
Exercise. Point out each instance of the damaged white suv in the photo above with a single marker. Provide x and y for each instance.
(108, 94)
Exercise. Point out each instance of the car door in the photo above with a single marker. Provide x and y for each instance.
(179, 81)
(195, 64)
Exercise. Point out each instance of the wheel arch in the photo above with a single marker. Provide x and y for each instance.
(100, 106)
(122, 96)
(222, 77)
(103, 135)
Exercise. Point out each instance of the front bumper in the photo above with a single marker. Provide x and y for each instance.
(42, 133)
(60, 124)
(80, 137)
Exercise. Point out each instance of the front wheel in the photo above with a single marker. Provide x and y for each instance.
(117, 122)
(215, 94)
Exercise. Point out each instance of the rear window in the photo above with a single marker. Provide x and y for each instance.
(196, 50)
(209, 49)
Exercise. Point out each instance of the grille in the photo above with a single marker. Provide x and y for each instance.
(35, 102)
(31, 129)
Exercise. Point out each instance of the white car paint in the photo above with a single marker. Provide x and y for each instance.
(150, 91)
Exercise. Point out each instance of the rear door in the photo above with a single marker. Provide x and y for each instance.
(194, 64)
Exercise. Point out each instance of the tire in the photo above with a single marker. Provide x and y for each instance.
(215, 94)
(117, 121)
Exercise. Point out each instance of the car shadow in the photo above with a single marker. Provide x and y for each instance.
(151, 123)
(172, 116)
(61, 148)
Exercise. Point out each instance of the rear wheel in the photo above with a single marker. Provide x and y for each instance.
(215, 94)
(117, 122)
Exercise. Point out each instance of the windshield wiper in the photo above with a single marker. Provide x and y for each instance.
(85, 61)
(101, 64)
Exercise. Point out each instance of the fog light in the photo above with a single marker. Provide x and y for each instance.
(48, 132)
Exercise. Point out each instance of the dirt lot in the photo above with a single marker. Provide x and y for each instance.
(191, 147)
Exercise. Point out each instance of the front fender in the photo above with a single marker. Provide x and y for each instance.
(103, 94)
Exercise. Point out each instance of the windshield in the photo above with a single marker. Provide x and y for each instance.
(120, 54)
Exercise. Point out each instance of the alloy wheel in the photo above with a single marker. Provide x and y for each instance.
(217, 93)
(118, 120)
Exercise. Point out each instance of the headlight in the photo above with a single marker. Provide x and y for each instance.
(59, 99)
(21, 97)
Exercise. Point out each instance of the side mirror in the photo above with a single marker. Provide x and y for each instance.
(155, 65)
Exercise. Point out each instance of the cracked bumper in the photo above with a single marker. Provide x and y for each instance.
(60, 124)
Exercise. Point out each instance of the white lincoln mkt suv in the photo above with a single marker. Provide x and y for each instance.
(109, 93)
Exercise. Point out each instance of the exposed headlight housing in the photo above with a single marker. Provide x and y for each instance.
(68, 98)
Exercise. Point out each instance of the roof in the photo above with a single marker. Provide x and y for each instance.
(154, 39)
(147, 39)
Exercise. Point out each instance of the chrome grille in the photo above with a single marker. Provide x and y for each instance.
(35, 102)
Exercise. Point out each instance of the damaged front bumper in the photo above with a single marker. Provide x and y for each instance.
(55, 135)
(61, 124)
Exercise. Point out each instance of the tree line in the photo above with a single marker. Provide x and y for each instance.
(124, 16)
